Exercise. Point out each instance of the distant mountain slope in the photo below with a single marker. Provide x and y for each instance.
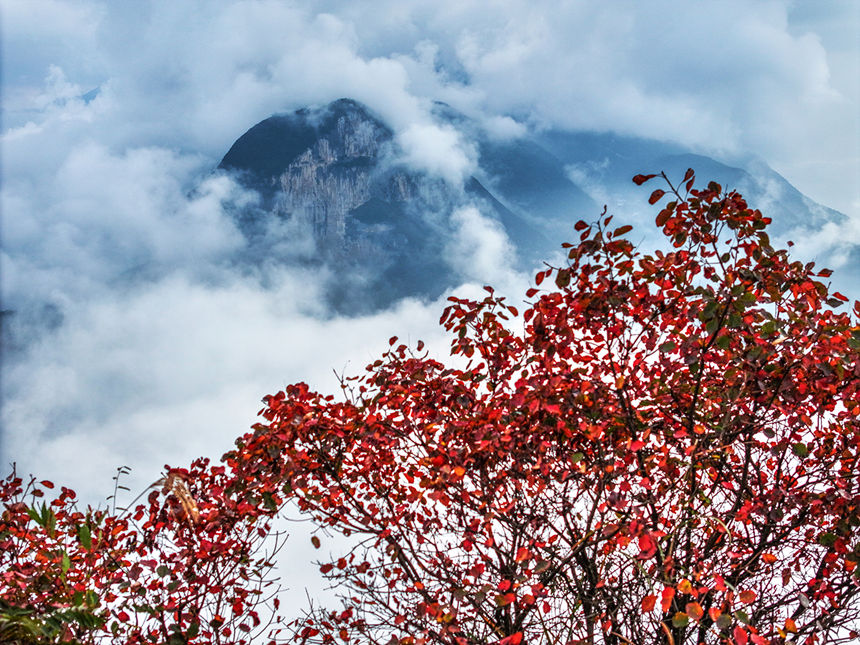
(611, 160)
(381, 227)
(332, 177)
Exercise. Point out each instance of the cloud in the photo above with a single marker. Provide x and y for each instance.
(479, 250)
(101, 216)
(145, 333)
(40, 33)
(165, 372)
(437, 149)
(731, 76)
(109, 203)
(771, 77)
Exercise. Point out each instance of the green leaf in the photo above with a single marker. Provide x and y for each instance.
(83, 618)
(269, 502)
(66, 563)
(768, 329)
(576, 457)
(46, 518)
(562, 278)
(92, 598)
(680, 619)
(734, 320)
(52, 626)
(800, 450)
(668, 346)
(162, 570)
(742, 616)
(712, 325)
(84, 536)
(34, 515)
(827, 539)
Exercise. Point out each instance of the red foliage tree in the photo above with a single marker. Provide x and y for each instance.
(185, 567)
(667, 452)
(662, 449)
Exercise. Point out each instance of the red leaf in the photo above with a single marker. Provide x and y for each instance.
(562, 278)
(580, 225)
(667, 596)
(663, 217)
(655, 196)
(694, 610)
(688, 175)
(530, 413)
(747, 596)
(641, 179)
(647, 547)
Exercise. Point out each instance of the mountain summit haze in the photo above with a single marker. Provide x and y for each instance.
(335, 180)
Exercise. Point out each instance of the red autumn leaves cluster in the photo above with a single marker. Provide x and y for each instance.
(660, 448)
(663, 448)
(183, 567)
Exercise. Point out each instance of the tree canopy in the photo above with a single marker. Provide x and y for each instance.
(660, 448)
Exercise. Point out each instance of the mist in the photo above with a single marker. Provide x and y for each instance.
(137, 328)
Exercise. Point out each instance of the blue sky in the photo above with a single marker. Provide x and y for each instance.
(98, 190)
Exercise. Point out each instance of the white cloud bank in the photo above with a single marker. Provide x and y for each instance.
(774, 77)
(159, 342)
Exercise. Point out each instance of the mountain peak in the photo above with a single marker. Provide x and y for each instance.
(342, 130)
(387, 231)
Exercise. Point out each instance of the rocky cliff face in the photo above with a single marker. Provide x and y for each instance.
(337, 175)
(329, 173)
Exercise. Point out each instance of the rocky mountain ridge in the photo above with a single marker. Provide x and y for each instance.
(333, 173)
(385, 230)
